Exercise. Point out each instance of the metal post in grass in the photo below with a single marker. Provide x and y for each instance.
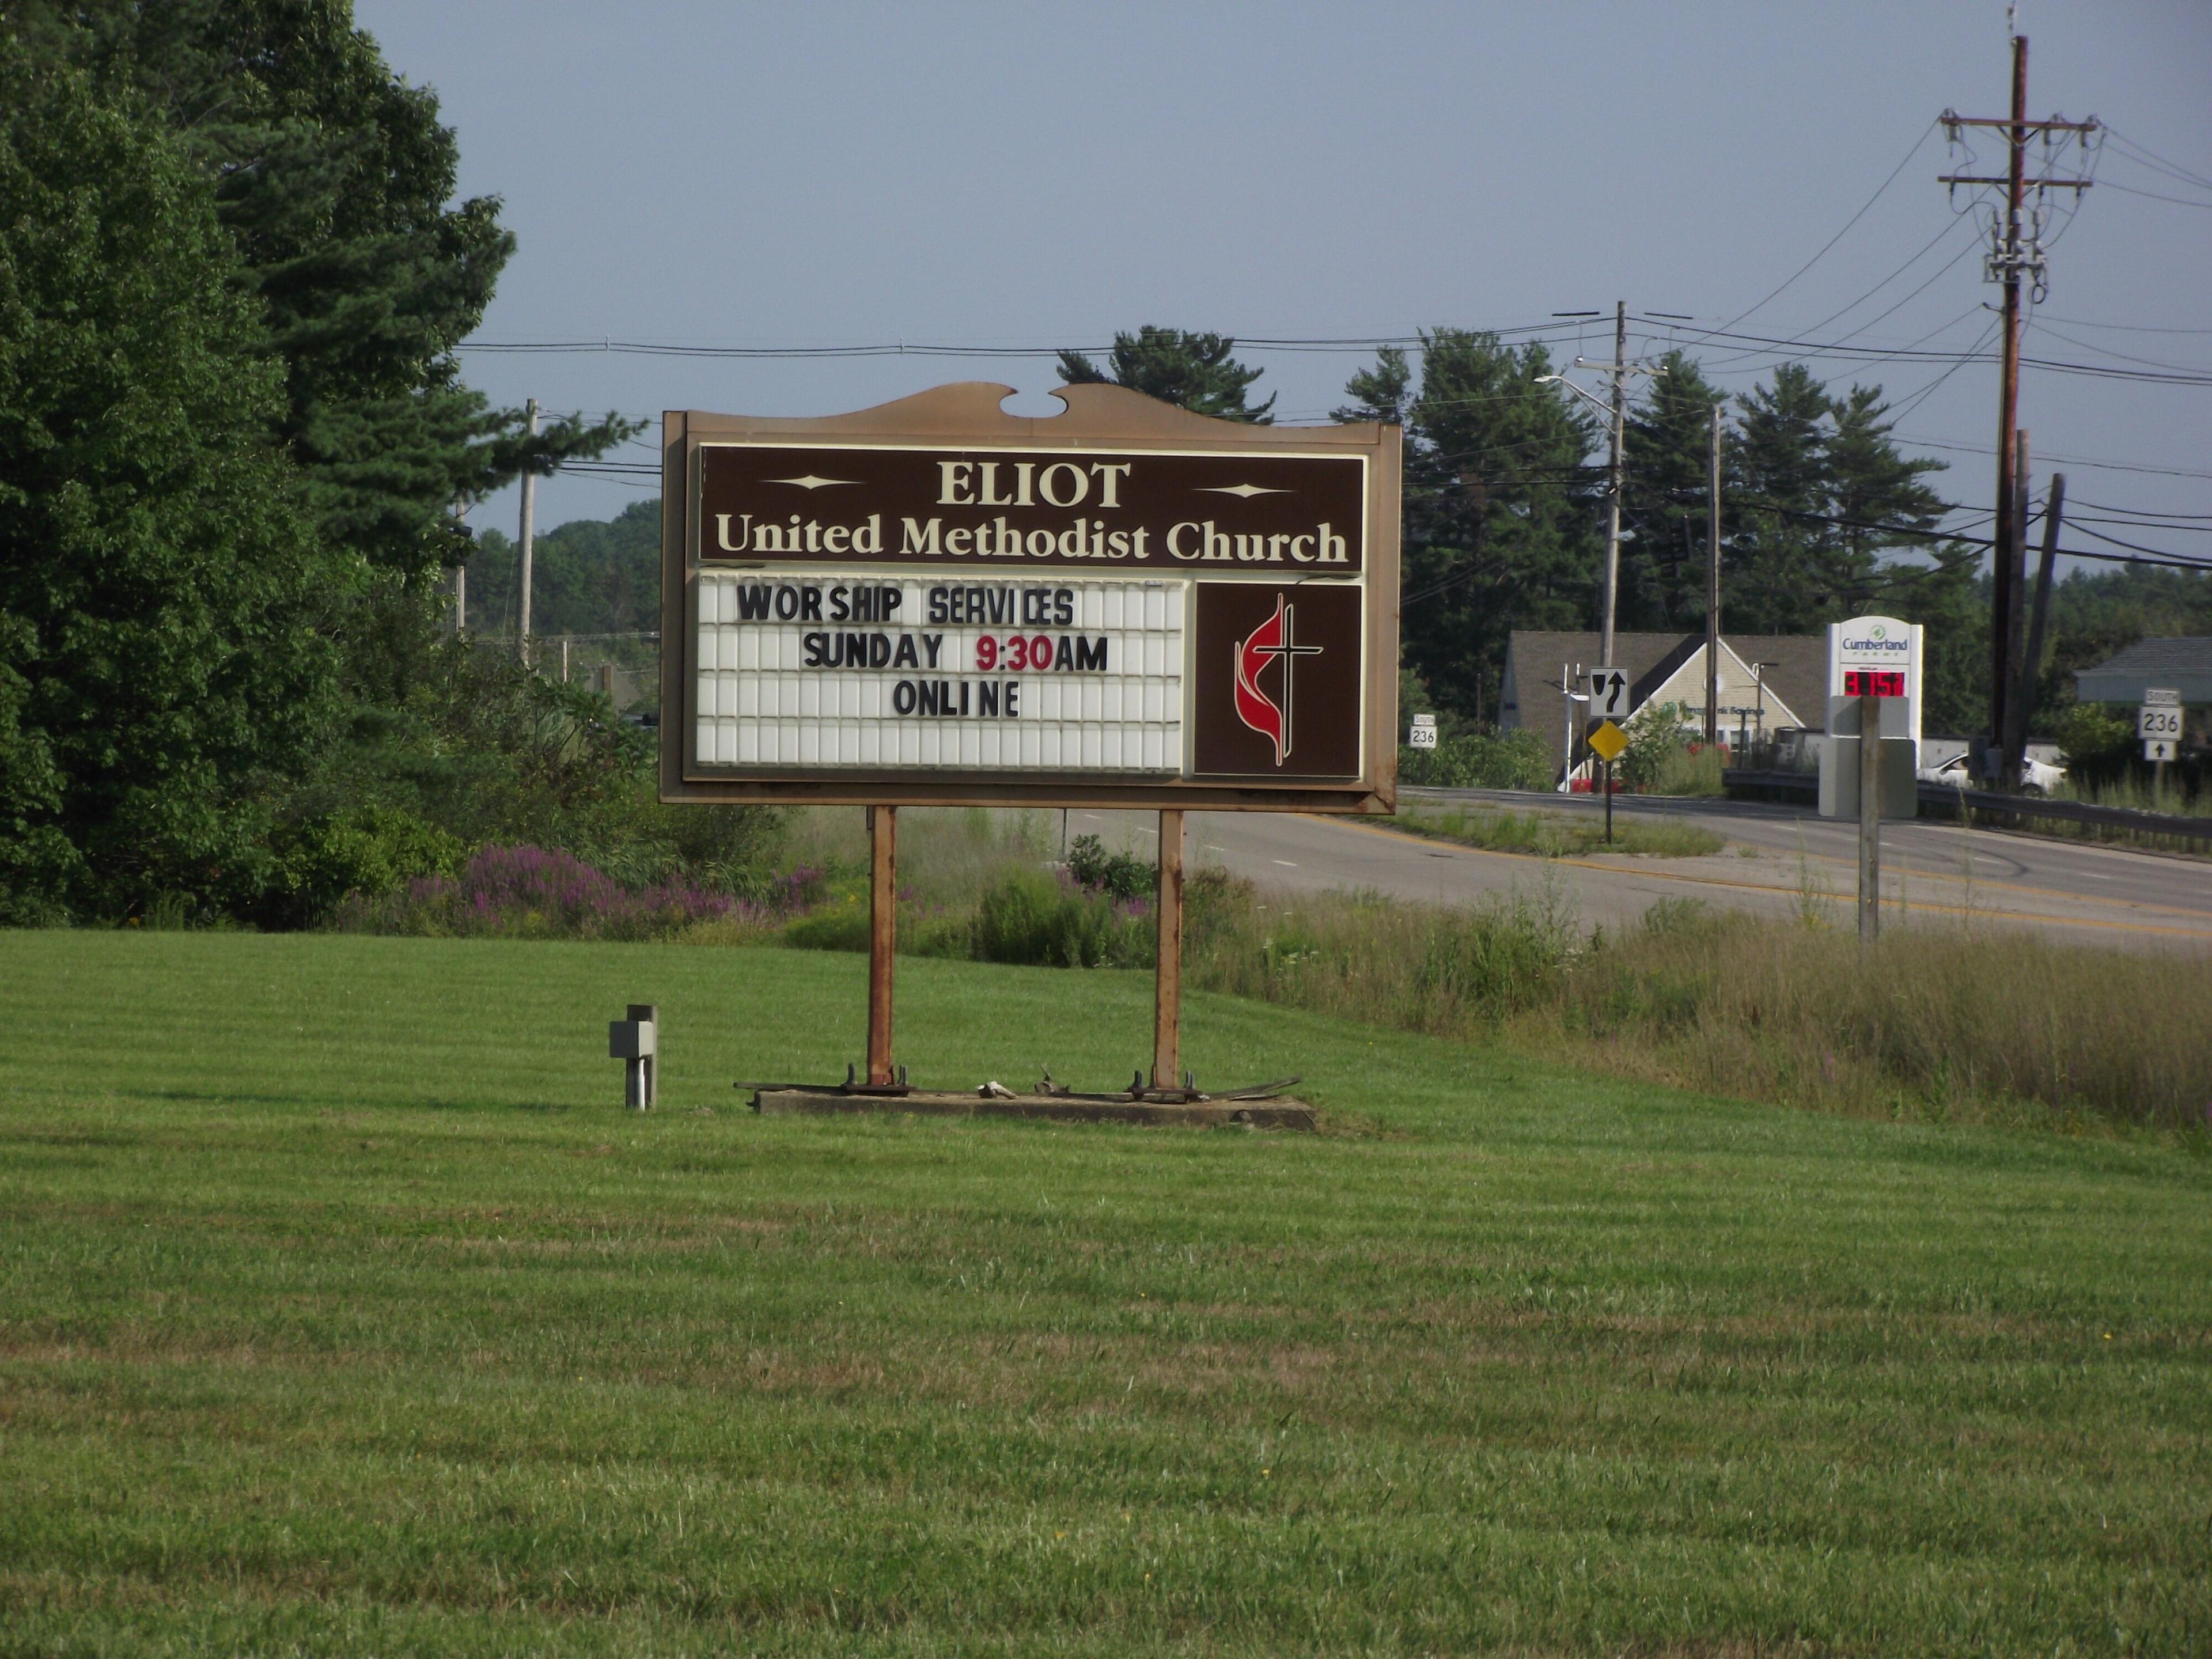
(636, 1040)
(1608, 803)
(882, 939)
(1870, 816)
(1167, 1001)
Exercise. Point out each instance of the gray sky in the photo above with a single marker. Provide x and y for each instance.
(1039, 175)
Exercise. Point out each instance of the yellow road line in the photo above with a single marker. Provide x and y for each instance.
(1992, 883)
(1996, 884)
(1403, 836)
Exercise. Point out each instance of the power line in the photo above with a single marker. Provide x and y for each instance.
(1900, 410)
(2153, 195)
(1839, 235)
(2161, 522)
(2158, 556)
(2091, 345)
(2129, 328)
(1325, 343)
(2146, 156)
(2137, 546)
(2102, 508)
(2062, 461)
(1804, 348)
(1777, 347)
(1886, 281)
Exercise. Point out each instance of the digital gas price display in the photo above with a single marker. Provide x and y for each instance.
(1874, 682)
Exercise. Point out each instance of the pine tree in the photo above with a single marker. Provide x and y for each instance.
(1668, 446)
(1780, 578)
(1499, 522)
(1381, 393)
(1195, 371)
(335, 181)
(1875, 493)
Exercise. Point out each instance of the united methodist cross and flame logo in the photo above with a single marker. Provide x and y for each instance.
(1273, 641)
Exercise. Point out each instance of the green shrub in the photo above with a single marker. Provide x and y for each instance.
(1490, 963)
(364, 852)
(841, 924)
(1667, 754)
(1693, 771)
(2100, 745)
(1479, 760)
(1118, 875)
(1032, 919)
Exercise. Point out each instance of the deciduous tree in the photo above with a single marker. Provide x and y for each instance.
(162, 662)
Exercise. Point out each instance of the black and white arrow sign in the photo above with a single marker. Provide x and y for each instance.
(1608, 694)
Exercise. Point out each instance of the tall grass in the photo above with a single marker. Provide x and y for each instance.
(1939, 1021)
(1685, 771)
(1560, 835)
(1444, 972)
(947, 855)
(1948, 1022)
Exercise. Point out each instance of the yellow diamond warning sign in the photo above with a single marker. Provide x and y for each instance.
(1609, 741)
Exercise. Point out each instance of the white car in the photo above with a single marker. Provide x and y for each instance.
(2036, 777)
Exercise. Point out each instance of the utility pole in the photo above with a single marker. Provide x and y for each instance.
(1615, 410)
(2031, 662)
(1870, 818)
(525, 547)
(2012, 255)
(1713, 588)
(1613, 485)
(2013, 734)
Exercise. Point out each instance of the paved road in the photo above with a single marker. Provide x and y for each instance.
(1779, 860)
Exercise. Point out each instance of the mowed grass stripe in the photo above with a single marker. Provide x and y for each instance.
(339, 1307)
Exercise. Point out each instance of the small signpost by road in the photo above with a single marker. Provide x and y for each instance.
(1608, 743)
(1423, 734)
(1608, 703)
(1608, 694)
(1868, 764)
(938, 603)
(2158, 723)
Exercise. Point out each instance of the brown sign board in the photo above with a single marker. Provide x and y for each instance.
(936, 602)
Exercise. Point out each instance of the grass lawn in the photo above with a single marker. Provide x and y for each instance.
(341, 1309)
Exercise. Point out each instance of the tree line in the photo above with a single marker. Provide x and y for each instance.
(234, 449)
(1823, 516)
(236, 452)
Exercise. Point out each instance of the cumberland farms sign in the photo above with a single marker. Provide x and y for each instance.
(937, 601)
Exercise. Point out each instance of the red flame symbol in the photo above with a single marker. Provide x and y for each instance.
(1276, 637)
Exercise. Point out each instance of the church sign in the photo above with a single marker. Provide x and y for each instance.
(935, 601)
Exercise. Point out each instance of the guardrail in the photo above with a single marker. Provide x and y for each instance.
(1805, 787)
(1748, 783)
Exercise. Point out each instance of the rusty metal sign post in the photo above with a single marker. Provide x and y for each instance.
(936, 603)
